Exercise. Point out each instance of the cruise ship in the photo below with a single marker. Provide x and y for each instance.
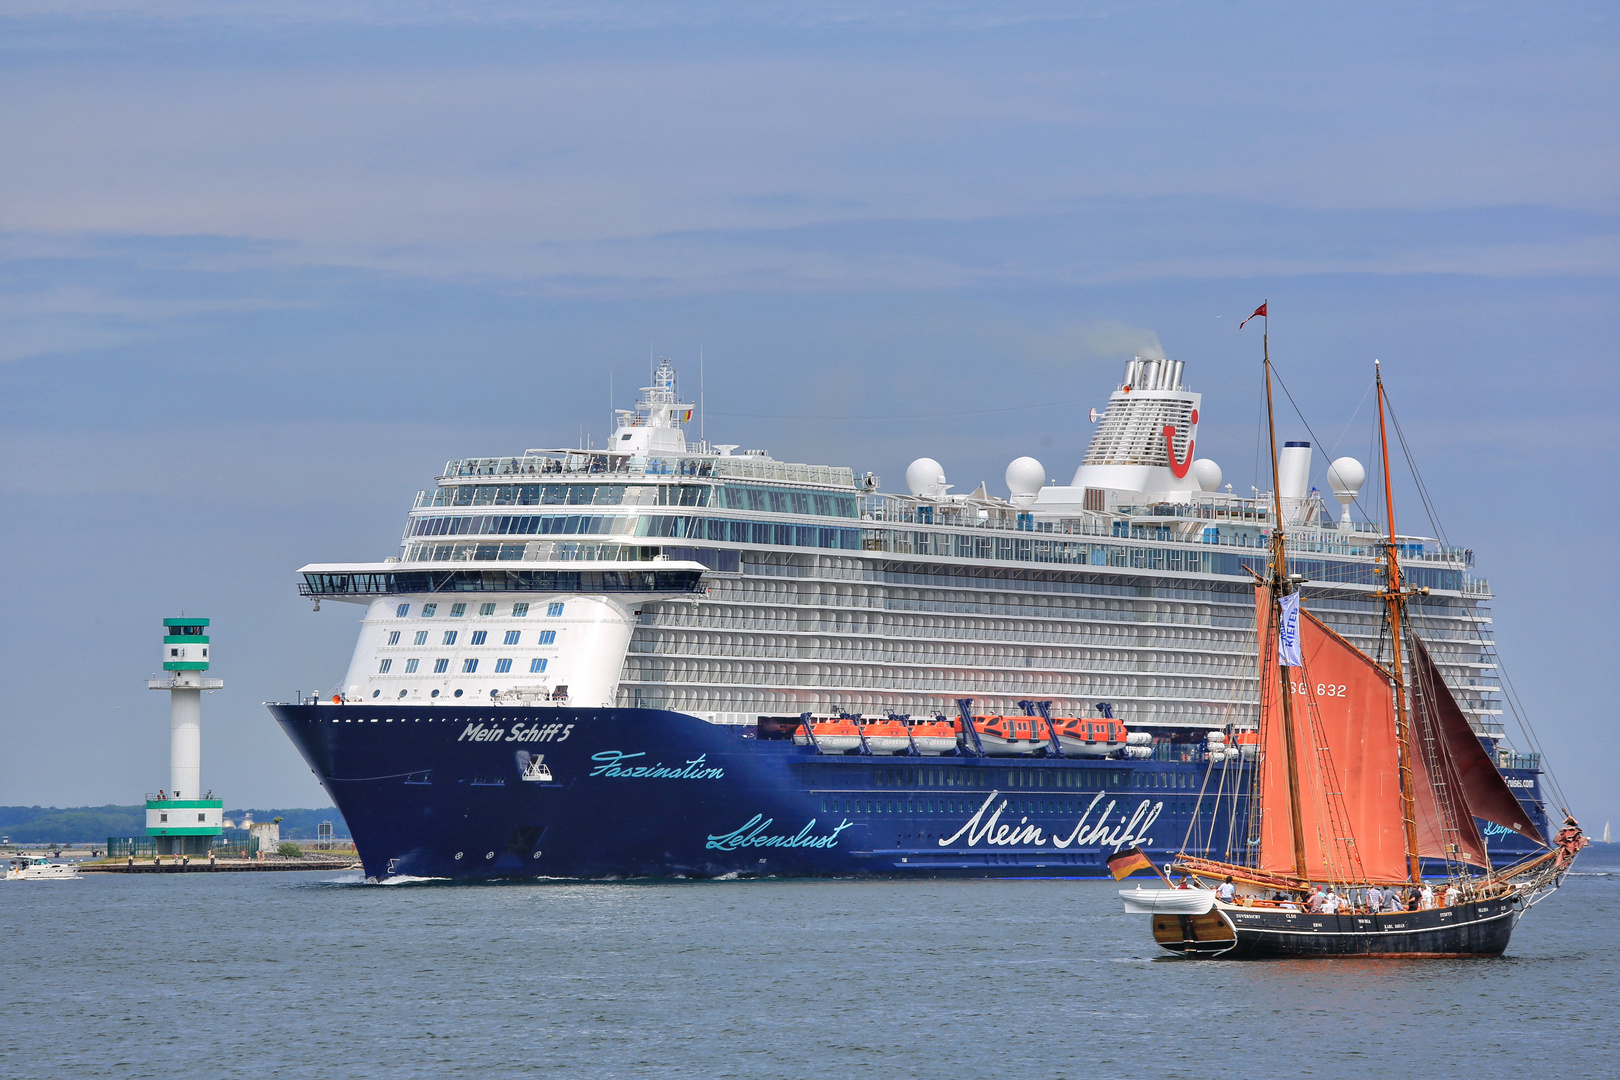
(670, 658)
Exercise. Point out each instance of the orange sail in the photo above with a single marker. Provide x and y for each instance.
(1348, 758)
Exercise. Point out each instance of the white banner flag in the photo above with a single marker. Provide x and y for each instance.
(1288, 633)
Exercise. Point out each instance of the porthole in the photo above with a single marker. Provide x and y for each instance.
(489, 854)
(376, 693)
(458, 856)
(434, 694)
(494, 693)
(537, 854)
(458, 693)
(402, 693)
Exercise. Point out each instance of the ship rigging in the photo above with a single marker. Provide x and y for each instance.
(1334, 865)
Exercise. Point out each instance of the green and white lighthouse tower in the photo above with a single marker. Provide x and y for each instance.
(180, 817)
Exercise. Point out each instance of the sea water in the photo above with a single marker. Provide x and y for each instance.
(283, 975)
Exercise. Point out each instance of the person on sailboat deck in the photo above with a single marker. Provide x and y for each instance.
(1330, 905)
(1227, 892)
(1375, 899)
(1453, 894)
(1183, 883)
(1314, 901)
(1426, 898)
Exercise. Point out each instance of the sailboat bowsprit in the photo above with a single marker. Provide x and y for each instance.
(1365, 770)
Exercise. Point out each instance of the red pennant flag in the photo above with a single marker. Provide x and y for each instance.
(1260, 311)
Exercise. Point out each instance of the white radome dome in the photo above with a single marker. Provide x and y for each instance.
(1025, 476)
(1207, 473)
(926, 477)
(1345, 477)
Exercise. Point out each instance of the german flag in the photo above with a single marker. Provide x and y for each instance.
(1125, 863)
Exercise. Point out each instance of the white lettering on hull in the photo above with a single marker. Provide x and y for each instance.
(1105, 832)
(533, 733)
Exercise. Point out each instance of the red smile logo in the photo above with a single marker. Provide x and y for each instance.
(1178, 468)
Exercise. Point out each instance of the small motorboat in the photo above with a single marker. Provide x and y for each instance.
(39, 868)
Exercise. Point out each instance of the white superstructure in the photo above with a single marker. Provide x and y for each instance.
(664, 574)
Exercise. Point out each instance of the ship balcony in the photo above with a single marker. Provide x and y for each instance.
(1508, 759)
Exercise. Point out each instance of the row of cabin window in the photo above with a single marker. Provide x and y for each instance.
(479, 637)
(519, 611)
(468, 667)
(731, 496)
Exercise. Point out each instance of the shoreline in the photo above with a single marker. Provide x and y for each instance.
(218, 866)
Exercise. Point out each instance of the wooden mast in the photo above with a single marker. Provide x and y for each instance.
(1279, 585)
(1395, 598)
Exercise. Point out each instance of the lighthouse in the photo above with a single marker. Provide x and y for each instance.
(184, 818)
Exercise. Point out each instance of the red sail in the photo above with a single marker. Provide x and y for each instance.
(1445, 828)
(1349, 767)
(1480, 790)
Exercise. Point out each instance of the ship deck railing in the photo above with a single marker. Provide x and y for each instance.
(604, 464)
(1163, 522)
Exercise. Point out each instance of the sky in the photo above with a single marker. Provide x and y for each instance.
(264, 268)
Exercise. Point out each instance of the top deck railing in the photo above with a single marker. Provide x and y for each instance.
(1222, 521)
(1165, 522)
(571, 464)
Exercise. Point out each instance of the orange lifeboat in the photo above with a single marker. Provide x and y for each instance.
(1088, 737)
(1010, 736)
(933, 735)
(834, 735)
(888, 735)
(1247, 744)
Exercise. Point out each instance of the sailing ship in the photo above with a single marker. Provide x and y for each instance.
(1366, 769)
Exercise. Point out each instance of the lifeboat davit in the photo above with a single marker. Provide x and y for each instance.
(886, 736)
(835, 735)
(934, 735)
(1247, 744)
(1085, 737)
(1010, 736)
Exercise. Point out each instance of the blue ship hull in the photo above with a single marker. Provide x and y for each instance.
(458, 792)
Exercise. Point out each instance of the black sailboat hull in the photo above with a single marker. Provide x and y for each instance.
(1475, 929)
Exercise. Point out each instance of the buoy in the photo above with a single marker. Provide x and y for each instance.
(337, 699)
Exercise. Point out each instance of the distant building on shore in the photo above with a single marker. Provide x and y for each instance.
(268, 834)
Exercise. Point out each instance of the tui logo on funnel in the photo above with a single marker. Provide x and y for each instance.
(1179, 468)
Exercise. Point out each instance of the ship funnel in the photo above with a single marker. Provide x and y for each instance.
(1345, 477)
(1144, 373)
(1293, 474)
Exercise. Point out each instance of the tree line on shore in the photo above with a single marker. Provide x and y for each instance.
(93, 824)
